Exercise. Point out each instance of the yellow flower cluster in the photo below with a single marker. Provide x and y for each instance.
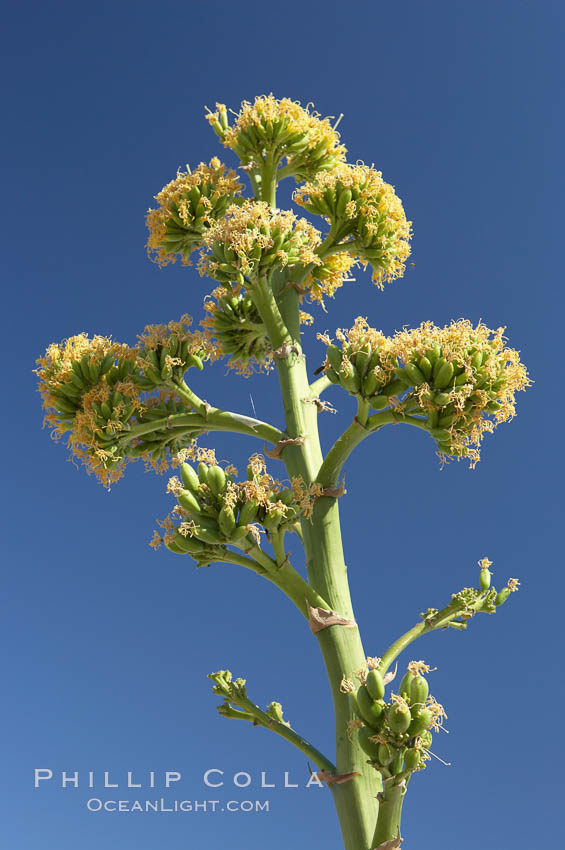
(261, 488)
(457, 381)
(326, 278)
(418, 668)
(75, 355)
(251, 239)
(90, 398)
(188, 205)
(92, 391)
(366, 215)
(213, 508)
(306, 495)
(360, 335)
(198, 342)
(277, 129)
(93, 437)
(234, 328)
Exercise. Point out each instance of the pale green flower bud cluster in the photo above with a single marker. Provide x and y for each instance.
(396, 735)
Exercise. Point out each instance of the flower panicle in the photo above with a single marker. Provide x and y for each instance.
(187, 207)
(234, 328)
(214, 509)
(89, 393)
(252, 239)
(458, 382)
(280, 130)
(367, 217)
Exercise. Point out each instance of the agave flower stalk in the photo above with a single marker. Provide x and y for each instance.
(118, 403)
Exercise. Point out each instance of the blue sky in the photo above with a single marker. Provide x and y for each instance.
(459, 105)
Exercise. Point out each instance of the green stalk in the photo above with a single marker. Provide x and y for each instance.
(318, 387)
(284, 731)
(288, 580)
(341, 646)
(441, 620)
(329, 471)
(390, 811)
(215, 420)
(268, 183)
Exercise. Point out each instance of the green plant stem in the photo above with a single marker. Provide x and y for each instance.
(330, 470)
(268, 183)
(400, 645)
(286, 171)
(288, 580)
(284, 731)
(318, 387)
(214, 420)
(277, 538)
(363, 409)
(390, 812)
(232, 557)
(341, 647)
(417, 423)
(255, 180)
(441, 620)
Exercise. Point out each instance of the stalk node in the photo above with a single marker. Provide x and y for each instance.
(275, 454)
(320, 618)
(332, 778)
(285, 349)
(335, 492)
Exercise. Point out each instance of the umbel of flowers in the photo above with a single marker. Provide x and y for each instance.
(116, 403)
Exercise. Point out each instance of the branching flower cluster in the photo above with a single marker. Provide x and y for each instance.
(188, 207)
(215, 509)
(366, 216)
(116, 403)
(457, 382)
(252, 239)
(275, 130)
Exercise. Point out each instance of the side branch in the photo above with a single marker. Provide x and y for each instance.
(234, 694)
(212, 420)
(283, 575)
(456, 614)
(354, 435)
(318, 386)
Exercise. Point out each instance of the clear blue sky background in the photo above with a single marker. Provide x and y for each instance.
(109, 643)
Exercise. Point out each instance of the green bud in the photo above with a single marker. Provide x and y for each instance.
(216, 480)
(421, 721)
(404, 687)
(425, 367)
(369, 747)
(399, 718)
(485, 578)
(415, 375)
(397, 762)
(444, 375)
(379, 402)
(370, 711)
(386, 754)
(411, 759)
(334, 357)
(441, 399)
(189, 477)
(419, 690)
(375, 684)
(189, 502)
(426, 739)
